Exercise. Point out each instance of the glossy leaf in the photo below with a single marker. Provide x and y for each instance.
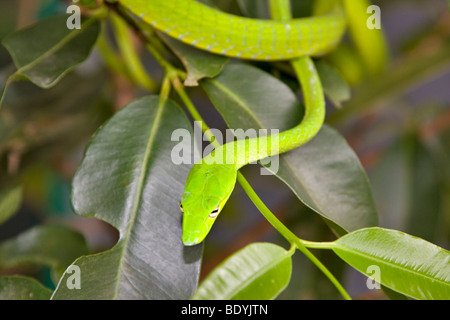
(22, 288)
(334, 86)
(407, 264)
(334, 186)
(47, 50)
(10, 200)
(128, 179)
(258, 271)
(50, 245)
(199, 64)
(407, 188)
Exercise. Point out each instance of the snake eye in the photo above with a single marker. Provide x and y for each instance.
(181, 207)
(214, 213)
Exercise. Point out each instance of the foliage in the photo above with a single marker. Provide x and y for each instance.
(372, 188)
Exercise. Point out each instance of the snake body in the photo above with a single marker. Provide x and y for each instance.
(212, 180)
(212, 30)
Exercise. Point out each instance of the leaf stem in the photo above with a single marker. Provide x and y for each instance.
(165, 89)
(129, 54)
(179, 88)
(317, 245)
(290, 236)
(10, 80)
(111, 59)
(280, 9)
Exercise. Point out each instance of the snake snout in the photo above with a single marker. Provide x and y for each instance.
(191, 238)
(194, 229)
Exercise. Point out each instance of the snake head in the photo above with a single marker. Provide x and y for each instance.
(207, 189)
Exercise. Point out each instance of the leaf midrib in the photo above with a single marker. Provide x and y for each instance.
(140, 187)
(388, 263)
(56, 47)
(257, 274)
(236, 98)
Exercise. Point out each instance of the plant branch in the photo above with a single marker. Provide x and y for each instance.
(291, 237)
(111, 59)
(129, 54)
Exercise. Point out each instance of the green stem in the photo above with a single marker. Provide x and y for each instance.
(317, 245)
(165, 89)
(111, 59)
(290, 236)
(166, 65)
(179, 88)
(10, 80)
(281, 10)
(129, 54)
(159, 58)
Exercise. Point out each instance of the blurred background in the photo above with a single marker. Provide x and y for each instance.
(398, 123)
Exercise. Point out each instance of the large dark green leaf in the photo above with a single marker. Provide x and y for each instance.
(47, 50)
(22, 288)
(259, 271)
(127, 178)
(199, 64)
(406, 264)
(49, 245)
(325, 174)
(407, 188)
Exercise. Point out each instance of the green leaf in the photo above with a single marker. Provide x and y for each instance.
(44, 52)
(393, 295)
(198, 63)
(325, 174)
(258, 271)
(50, 245)
(10, 200)
(407, 188)
(128, 179)
(407, 264)
(22, 288)
(334, 86)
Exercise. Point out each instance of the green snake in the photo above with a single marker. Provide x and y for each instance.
(212, 180)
